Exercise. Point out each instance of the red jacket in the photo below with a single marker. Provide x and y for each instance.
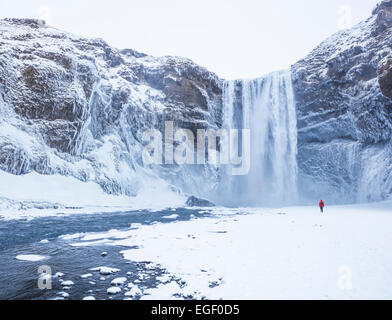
(321, 204)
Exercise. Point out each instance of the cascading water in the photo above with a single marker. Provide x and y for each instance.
(266, 107)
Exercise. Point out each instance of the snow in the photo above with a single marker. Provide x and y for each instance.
(67, 283)
(114, 290)
(105, 270)
(89, 298)
(118, 281)
(35, 195)
(30, 257)
(134, 291)
(56, 188)
(164, 279)
(287, 253)
(63, 294)
(171, 217)
(162, 292)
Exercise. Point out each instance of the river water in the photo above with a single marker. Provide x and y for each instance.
(19, 279)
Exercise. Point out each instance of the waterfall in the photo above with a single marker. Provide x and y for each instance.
(266, 107)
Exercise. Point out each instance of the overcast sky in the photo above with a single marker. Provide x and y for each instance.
(234, 38)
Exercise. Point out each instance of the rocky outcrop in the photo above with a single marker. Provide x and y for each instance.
(196, 202)
(343, 113)
(383, 11)
(385, 76)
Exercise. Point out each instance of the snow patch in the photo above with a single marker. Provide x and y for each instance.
(118, 281)
(30, 257)
(105, 270)
(114, 290)
(35, 195)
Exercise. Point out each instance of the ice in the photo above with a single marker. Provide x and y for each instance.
(30, 257)
(87, 275)
(89, 298)
(171, 217)
(71, 236)
(86, 244)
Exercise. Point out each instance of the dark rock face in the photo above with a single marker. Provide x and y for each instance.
(385, 76)
(343, 113)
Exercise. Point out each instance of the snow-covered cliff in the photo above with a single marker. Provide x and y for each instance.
(77, 107)
(344, 118)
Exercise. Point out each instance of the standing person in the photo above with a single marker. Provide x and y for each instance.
(322, 205)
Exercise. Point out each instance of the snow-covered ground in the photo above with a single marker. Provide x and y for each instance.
(35, 195)
(290, 253)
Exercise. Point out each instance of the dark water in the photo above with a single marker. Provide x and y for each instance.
(19, 279)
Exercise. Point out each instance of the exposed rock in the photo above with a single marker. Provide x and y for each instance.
(196, 202)
(383, 11)
(385, 76)
(32, 23)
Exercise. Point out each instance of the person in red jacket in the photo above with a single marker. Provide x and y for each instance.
(322, 205)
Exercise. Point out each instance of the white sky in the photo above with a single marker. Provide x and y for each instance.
(234, 38)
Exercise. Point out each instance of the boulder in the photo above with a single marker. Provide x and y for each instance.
(197, 202)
